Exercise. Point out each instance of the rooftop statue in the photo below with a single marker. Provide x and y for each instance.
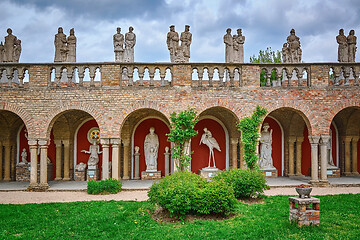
(172, 41)
(343, 47)
(118, 41)
(351, 42)
(229, 51)
(130, 41)
(293, 48)
(61, 49)
(11, 50)
(238, 46)
(186, 38)
(71, 45)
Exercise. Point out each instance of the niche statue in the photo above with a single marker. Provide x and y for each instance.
(151, 147)
(266, 161)
(94, 152)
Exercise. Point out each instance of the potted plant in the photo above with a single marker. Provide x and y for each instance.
(303, 190)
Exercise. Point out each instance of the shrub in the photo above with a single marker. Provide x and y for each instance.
(108, 186)
(246, 183)
(183, 193)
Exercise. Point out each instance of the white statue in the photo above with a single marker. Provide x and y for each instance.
(80, 167)
(94, 152)
(172, 41)
(24, 157)
(229, 51)
(71, 46)
(151, 146)
(118, 41)
(266, 161)
(211, 142)
(130, 41)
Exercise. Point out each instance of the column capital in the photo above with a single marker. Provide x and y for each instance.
(105, 142)
(234, 140)
(66, 142)
(299, 139)
(115, 141)
(324, 139)
(57, 143)
(314, 139)
(292, 139)
(43, 142)
(347, 138)
(355, 138)
(32, 142)
(126, 142)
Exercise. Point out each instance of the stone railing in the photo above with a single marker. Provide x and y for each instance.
(19, 75)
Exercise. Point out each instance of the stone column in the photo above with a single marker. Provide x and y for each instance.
(324, 158)
(43, 163)
(105, 158)
(126, 159)
(355, 140)
(347, 140)
(234, 142)
(33, 163)
(242, 161)
(292, 139)
(58, 159)
(7, 161)
(115, 143)
(136, 163)
(167, 161)
(314, 142)
(1, 160)
(13, 162)
(66, 160)
(299, 141)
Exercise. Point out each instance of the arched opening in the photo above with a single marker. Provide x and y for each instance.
(347, 158)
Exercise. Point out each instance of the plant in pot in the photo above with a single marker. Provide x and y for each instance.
(303, 190)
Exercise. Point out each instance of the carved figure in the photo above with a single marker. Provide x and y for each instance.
(285, 53)
(60, 46)
(186, 38)
(24, 157)
(295, 51)
(137, 149)
(211, 142)
(130, 41)
(228, 40)
(10, 41)
(351, 41)
(343, 47)
(266, 161)
(17, 50)
(71, 46)
(172, 41)
(94, 152)
(329, 149)
(2, 52)
(151, 147)
(238, 46)
(118, 41)
(80, 167)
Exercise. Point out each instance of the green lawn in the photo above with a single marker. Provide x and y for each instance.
(339, 219)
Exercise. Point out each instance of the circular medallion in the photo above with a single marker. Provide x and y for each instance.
(93, 134)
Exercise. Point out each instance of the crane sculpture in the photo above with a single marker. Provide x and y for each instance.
(211, 142)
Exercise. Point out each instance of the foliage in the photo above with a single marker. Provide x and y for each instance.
(182, 130)
(246, 183)
(108, 186)
(249, 127)
(184, 192)
(267, 56)
(130, 220)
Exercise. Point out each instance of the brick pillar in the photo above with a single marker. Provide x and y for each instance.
(43, 163)
(126, 159)
(115, 143)
(105, 159)
(292, 139)
(314, 142)
(66, 160)
(355, 140)
(234, 142)
(7, 161)
(181, 75)
(324, 158)
(1, 160)
(58, 160)
(347, 140)
(33, 163)
(299, 141)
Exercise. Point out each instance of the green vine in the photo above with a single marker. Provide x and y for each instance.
(249, 127)
(181, 132)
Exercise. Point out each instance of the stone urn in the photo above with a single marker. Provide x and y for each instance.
(303, 191)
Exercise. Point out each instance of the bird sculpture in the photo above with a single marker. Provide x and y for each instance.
(211, 142)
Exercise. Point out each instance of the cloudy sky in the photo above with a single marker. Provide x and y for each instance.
(265, 23)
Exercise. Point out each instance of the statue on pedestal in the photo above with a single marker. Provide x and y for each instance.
(238, 47)
(293, 50)
(266, 161)
(211, 142)
(130, 41)
(94, 152)
(71, 46)
(351, 42)
(331, 163)
(186, 38)
(60, 46)
(172, 41)
(24, 156)
(343, 46)
(151, 146)
(229, 51)
(12, 48)
(118, 41)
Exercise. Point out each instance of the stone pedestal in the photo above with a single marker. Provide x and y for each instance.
(208, 172)
(80, 176)
(150, 175)
(270, 173)
(304, 211)
(23, 172)
(333, 172)
(92, 173)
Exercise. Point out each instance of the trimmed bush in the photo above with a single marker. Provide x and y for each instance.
(108, 186)
(187, 193)
(246, 183)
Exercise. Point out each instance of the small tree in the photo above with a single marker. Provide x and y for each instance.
(181, 132)
(267, 56)
(249, 127)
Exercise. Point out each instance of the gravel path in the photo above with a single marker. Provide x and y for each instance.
(48, 197)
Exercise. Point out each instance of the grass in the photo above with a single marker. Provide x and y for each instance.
(339, 219)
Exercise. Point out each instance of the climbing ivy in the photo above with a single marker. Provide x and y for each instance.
(249, 127)
(181, 132)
